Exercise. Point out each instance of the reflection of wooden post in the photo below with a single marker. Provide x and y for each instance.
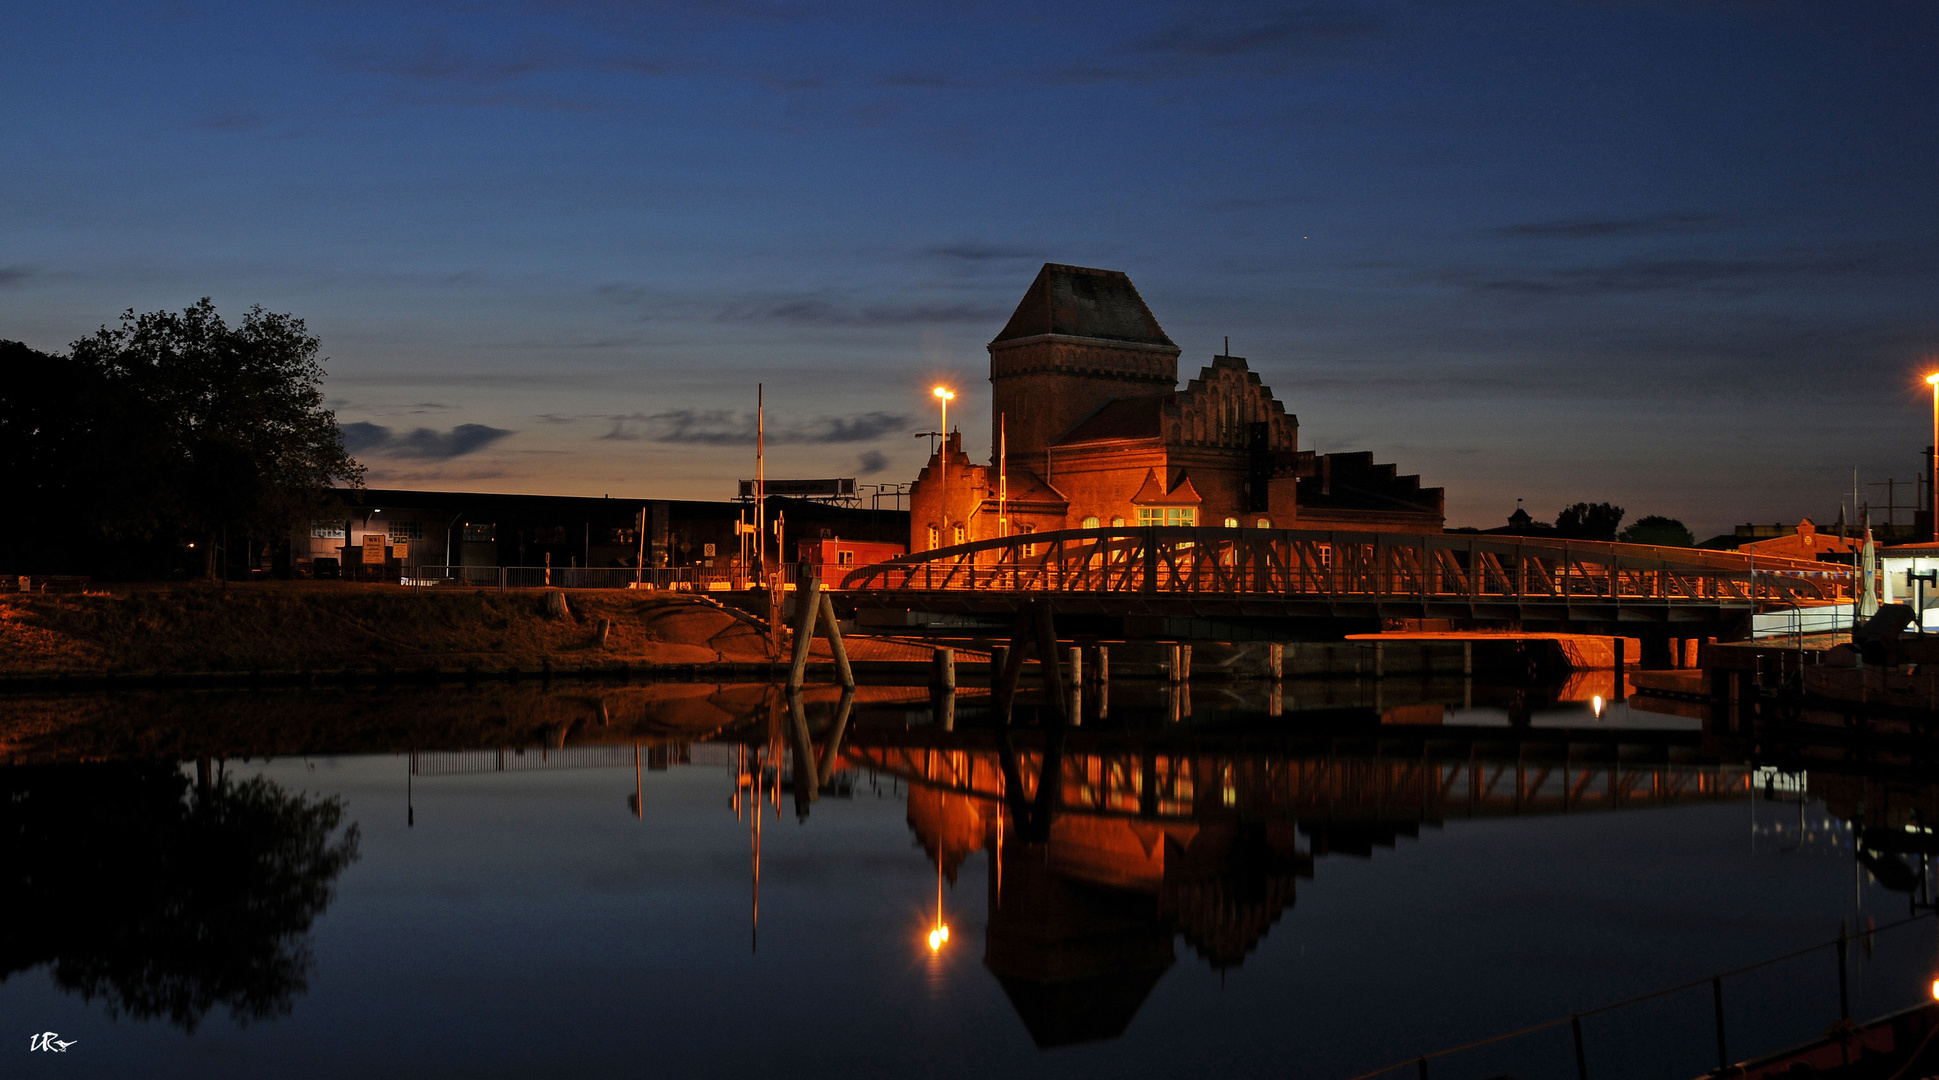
(1275, 661)
(826, 773)
(1174, 674)
(806, 790)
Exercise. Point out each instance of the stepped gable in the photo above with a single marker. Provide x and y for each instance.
(1079, 301)
(1354, 482)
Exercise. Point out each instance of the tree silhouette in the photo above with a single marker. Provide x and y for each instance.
(1589, 521)
(163, 900)
(1659, 530)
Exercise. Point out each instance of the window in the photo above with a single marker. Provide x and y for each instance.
(1168, 515)
(1231, 523)
(480, 534)
(935, 537)
(1326, 556)
(1117, 523)
(960, 535)
(844, 558)
(1265, 523)
(407, 530)
(1026, 530)
(327, 530)
(1090, 522)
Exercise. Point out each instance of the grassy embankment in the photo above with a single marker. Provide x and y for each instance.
(324, 626)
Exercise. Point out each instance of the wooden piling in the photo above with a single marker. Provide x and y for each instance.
(833, 630)
(807, 609)
(1275, 662)
(945, 669)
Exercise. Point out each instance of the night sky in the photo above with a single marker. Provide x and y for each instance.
(1679, 256)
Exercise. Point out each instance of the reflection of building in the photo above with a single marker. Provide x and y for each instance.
(1142, 846)
(1085, 398)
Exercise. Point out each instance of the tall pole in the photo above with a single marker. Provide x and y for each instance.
(760, 479)
(1003, 472)
(943, 394)
(1932, 501)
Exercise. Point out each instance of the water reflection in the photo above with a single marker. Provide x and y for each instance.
(166, 899)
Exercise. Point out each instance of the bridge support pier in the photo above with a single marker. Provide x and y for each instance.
(1034, 625)
(813, 606)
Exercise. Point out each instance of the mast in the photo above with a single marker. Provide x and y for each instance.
(760, 479)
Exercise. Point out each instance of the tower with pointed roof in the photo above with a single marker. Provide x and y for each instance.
(1079, 339)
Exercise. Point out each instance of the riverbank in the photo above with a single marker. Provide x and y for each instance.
(178, 630)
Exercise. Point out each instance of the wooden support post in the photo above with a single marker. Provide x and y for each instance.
(1005, 689)
(1044, 627)
(834, 631)
(1185, 657)
(1275, 662)
(1379, 659)
(1467, 659)
(1175, 666)
(1276, 699)
(999, 659)
(945, 670)
(807, 604)
(1101, 665)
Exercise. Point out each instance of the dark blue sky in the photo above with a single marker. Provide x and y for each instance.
(1681, 256)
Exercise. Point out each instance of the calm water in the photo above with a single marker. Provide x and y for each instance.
(1269, 909)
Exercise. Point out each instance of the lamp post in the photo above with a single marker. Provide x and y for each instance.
(1932, 493)
(946, 396)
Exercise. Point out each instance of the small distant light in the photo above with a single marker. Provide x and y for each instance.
(1596, 704)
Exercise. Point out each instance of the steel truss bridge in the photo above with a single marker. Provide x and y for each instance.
(1214, 573)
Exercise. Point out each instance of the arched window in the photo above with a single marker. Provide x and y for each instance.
(960, 534)
(1117, 523)
(1231, 523)
(1265, 523)
(1090, 522)
(935, 537)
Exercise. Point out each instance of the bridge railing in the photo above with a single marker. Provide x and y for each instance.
(1332, 564)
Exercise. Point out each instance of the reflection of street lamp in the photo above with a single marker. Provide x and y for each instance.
(941, 933)
(1932, 500)
(942, 536)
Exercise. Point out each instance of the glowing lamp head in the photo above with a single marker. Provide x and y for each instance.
(1935, 989)
(950, 395)
(1933, 378)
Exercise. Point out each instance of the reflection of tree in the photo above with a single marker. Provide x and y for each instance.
(162, 900)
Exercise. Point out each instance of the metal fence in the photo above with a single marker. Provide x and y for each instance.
(678, 579)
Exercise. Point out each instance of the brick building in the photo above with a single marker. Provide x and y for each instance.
(1084, 389)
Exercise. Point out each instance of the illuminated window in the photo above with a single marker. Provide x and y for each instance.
(1025, 530)
(480, 534)
(844, 558)
(327, 530)
(1326, 555)
(407, 530)
(935, 537)
(1090, 523)
(1231, 523)
(959, 534)
(1168, 515)
(1117, 523)
(1265, 523)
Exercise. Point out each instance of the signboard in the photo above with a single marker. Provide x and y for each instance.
(374, 548)
(842, 488)
(400, 550)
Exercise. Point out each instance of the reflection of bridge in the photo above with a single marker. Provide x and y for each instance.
(1140, 837)
(1282, 572)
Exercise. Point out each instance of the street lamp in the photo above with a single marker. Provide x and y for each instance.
(946, 396)
(1932, 493)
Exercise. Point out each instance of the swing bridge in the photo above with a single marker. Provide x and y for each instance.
(1282, 573)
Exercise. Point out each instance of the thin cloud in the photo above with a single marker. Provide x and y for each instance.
(725, 428)
(13, 277)
(820, 311)
(872, 462)
(423, 444)
(977, 253)
(1751, 274)
(1585, 228)
(1296, 32)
